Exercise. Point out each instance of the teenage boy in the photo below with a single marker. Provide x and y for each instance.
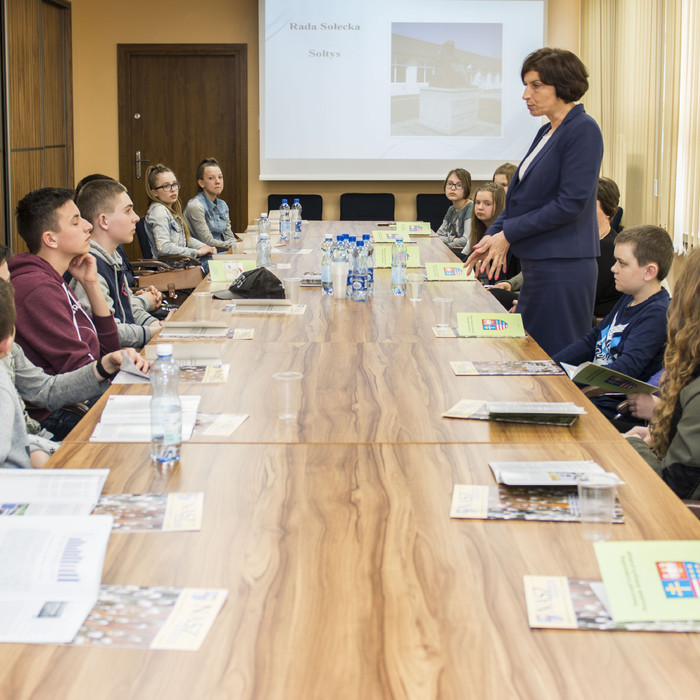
(54, 330)
(631, 338)
(108, 207)
(20, 379)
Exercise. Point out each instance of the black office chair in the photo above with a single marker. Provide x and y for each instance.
(356, 206)
(432, 208)
(311, 204)
(616, 218)
(149, 259)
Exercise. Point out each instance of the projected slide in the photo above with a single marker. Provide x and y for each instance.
(389, 90)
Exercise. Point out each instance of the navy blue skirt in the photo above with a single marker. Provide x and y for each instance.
(556, 300)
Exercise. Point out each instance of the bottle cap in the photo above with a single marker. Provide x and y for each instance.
(164, 349)
(284, 201)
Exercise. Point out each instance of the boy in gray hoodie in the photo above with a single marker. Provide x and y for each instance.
(107, 206)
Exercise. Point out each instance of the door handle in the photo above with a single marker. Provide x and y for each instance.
(138, 160)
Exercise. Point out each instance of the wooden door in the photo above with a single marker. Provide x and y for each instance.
(39, 100)
(177, 105)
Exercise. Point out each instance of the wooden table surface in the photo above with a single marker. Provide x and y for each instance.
(346, 576)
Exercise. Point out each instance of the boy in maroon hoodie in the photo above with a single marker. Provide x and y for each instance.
(53, 329)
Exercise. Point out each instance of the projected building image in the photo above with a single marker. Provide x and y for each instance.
(446, 79)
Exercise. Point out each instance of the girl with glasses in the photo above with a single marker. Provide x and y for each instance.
(171, 235)
(206, 214)
(457, 187)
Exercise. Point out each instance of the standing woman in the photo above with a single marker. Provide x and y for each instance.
(171, 235)
(550, 216)
(206, 214)
(457, 187)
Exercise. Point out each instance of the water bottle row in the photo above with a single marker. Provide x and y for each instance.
(359, 256)
(290, 221)
(355, 255)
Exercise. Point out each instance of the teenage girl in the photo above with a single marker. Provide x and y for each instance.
(206, 214)
(171, 235)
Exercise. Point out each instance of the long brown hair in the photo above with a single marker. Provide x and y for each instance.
(478, 227)
(176, 208)
(682, 351)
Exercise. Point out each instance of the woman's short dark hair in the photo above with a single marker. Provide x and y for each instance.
(561, 69)
(608, 196)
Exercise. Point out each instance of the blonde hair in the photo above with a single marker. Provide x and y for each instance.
(176, 207)
(478, 227)
(682, 351)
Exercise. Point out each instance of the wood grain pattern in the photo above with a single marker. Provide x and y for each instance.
(346, 576)
(347, 579)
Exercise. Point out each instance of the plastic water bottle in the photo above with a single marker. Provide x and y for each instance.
(399, 258)
(264, 249)
(369, 251)
(296, 223)
(359, 273)
(284, 220)
(166, 410)
(351, 251)
(326, 260)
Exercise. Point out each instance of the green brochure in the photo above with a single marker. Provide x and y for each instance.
(415, 228)
(651, 580)
(228, 270)
(487, 324)
(382, 256)
(388, 236)
(447, 272)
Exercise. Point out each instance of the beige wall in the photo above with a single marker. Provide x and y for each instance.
(98, 26)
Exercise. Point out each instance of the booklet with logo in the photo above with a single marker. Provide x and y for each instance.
(653, 580)
(605, 378)
(519, 503)
(382, 256)
(464, 368)
(389, 236)
(557, 602)
(415, 228)
(228, 270)
(447, 272)
(542, 412)
(487, 324)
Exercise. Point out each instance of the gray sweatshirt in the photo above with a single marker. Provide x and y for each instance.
(131, 335)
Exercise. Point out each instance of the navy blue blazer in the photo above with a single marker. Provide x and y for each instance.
(551, 212)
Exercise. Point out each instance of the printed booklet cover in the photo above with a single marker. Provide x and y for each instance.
(465, 368)
(557, 602)
(447, 272)
(155, 617)
(501, 502)
(490, 325)
(653, 580)
(605, 378)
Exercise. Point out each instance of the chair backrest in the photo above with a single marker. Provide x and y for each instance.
(356, 206)
(616, 218)
(311, 204)
(432, 208)
(145, 236)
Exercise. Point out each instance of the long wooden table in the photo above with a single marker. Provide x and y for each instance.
(346, 576)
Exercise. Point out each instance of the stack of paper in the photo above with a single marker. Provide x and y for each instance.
(541, 412)
(128, 419)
